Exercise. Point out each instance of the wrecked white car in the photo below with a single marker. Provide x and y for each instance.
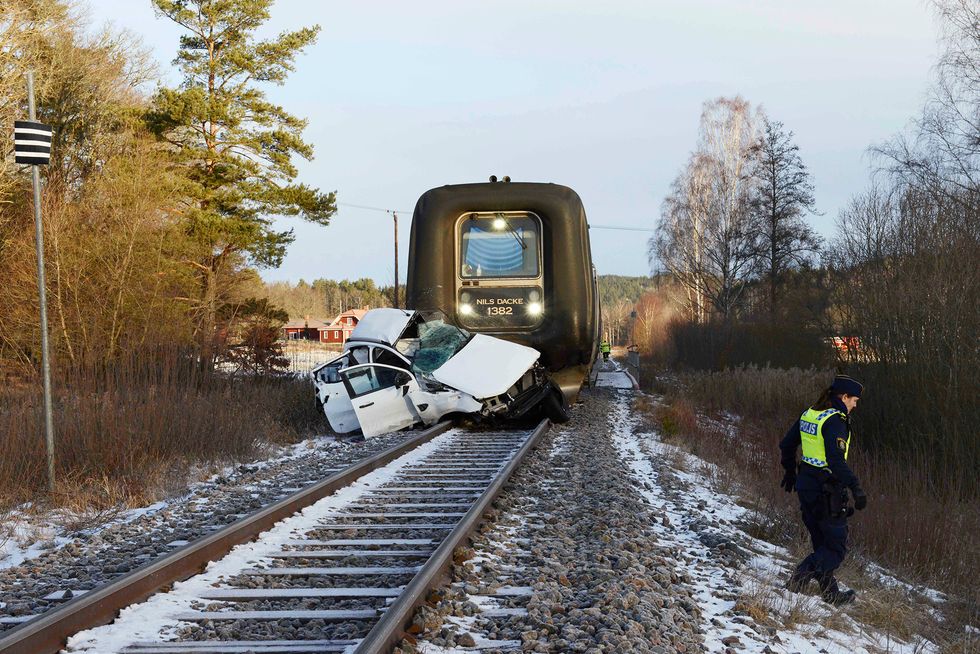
(403, 367)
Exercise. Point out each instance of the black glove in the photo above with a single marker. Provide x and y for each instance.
(860, 499)
(788, 483)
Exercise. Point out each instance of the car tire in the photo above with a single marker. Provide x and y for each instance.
(555, 408)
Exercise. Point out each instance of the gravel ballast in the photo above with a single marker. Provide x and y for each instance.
(93, 558)
(570, 564)
(609, 540)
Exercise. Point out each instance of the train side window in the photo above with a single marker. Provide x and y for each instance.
(499, 245)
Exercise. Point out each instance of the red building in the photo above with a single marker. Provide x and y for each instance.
(306, 329)
(339, 330)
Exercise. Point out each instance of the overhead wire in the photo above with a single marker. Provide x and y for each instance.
(591, 225)
(367, 208)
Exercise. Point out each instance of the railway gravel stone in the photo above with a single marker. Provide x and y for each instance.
(573, 529)
(98, 556)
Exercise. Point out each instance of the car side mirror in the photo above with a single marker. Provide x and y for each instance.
(402, 379)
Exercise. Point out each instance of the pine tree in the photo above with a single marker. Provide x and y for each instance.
(233, 146)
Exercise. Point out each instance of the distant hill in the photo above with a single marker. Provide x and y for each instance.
(615, 288)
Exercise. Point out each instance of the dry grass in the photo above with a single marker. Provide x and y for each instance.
(676, 420)
(765, 604)
(935, 522)
(924, 534)
(127, 435)
(890, 612)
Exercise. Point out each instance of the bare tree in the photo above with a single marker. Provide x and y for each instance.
(781, 200)
(705, 237)
(942, 154)
(679, 242)
(908, 250)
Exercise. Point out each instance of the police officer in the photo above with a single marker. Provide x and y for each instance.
(824, 434)
(604, 347)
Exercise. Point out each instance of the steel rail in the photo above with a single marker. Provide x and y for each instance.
(390, 629)
(47, 633)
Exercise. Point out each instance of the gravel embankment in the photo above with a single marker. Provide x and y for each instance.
(571, 563)
(95, 558)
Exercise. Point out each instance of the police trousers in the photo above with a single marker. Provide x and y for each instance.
(826, 521)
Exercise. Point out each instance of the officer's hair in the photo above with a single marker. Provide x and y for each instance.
(824, 401)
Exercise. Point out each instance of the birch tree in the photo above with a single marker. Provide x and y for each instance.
(706, 236)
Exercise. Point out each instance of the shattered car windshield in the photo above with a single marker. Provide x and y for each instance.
(437, 342)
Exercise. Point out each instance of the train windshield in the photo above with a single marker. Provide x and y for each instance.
(499, 245)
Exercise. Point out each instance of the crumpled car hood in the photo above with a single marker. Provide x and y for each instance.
(385, 325)
(486, 366)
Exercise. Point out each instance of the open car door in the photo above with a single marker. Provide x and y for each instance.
(331, 394)
(379, 395)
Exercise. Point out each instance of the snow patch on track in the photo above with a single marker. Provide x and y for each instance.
(154, 619)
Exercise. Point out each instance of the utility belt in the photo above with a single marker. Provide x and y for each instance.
(834, 492)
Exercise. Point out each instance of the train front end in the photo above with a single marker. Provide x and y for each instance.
(511, 260)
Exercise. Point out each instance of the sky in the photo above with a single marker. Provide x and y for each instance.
(604, 97)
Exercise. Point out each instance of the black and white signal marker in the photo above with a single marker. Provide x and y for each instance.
(32, 142)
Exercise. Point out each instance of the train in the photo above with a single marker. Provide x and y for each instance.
(512, 260)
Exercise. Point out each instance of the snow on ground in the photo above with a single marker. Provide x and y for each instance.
(717, 583)
(24, 539)
(27, 534)
(612, 375)
(153, 619)
(304, 356)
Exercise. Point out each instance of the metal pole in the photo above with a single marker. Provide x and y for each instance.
(395, 216)
(39, 245)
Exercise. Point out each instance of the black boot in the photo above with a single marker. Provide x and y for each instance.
(800, 580)
(832, 594)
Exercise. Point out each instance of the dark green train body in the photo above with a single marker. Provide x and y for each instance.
(510, 259)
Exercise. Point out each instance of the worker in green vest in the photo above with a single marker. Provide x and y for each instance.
(605, 348)
(822, 480)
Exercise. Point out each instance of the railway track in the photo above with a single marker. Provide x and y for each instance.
(344, 575)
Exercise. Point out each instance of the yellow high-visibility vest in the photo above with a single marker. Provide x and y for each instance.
(811, 436)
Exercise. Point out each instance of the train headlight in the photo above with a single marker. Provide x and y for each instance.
(534, 296)
(499, 224)
(466, 309)
(535, 309)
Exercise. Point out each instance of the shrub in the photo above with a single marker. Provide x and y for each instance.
(137, 421)
(915, 524)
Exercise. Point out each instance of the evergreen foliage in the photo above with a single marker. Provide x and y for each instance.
(614, 289)
(233, 147)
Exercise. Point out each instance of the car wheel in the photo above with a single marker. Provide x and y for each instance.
(555, 408)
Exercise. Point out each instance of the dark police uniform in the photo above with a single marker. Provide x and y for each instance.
(822, 483)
